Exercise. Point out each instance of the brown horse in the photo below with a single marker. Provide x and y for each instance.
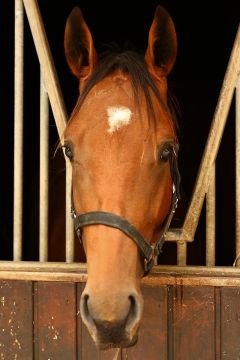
(121, 141)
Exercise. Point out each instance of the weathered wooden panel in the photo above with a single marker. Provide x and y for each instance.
(55, 313)
(194, 323)
(188, 317)
(16, 320)
(230, 323)
(153, 331)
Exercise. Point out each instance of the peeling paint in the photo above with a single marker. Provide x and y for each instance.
(55, 337)
(11, 332)
(6, 284)
(53, 333)
(16, 342)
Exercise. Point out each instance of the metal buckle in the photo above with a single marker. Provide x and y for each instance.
(148, 264)
(73, 214)
(79, 234)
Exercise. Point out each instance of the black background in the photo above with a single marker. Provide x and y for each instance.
(206, 32)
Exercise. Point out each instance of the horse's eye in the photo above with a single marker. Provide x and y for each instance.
(165, 153)
(68, 152)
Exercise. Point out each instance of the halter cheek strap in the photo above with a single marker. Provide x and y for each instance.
(148, 252)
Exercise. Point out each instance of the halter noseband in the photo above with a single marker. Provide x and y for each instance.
(149, 252)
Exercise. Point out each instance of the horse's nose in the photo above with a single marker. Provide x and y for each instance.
(112, 322)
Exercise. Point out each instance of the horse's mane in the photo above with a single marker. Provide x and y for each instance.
(133, 64)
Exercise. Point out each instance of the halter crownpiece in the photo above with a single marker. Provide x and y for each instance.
(148, 252)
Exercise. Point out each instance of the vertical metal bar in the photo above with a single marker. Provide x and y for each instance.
(211, 219)
(238, 169)
(69, 221)
(18, 130)
(56, 100)
(182, 253)
(43, 191)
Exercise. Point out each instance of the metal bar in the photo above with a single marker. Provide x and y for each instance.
(238, 171)
(42, 266)
(47, 65)
(159, 275)
(18, 130)
(56, 100)
(187, 232)
(182, 253)
(211, 219)
(174, 234)
(43, 192)
(165, 270)
(69, 220)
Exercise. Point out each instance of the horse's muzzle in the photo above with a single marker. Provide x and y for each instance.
(112, 325)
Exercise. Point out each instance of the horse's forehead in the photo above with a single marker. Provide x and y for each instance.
(110, 90)
(110, 107)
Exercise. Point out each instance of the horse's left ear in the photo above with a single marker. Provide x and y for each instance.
(78, 45)
(162, 44)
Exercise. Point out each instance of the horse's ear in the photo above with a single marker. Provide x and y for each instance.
(162, 44)
(78, 45)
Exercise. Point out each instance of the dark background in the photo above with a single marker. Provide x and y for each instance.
(205, 38)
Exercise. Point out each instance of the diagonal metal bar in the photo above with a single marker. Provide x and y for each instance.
(211, 149)
(47, 65)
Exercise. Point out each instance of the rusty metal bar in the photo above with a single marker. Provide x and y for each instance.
(238, 171)
(69, 221)
(43, 191)
(159, 275)
(219, 120)
(182, 253)
(18, 130)
(80, 268)
(56, 100)
(211, 219)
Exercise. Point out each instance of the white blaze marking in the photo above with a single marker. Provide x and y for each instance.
(118, 117)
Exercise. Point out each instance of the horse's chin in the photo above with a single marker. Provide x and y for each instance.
(122, 344)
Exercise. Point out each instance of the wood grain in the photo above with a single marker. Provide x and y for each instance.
(16, 320)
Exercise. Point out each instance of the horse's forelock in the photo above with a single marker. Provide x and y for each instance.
(133, 64)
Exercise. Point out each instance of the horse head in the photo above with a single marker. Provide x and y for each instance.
(121, 141)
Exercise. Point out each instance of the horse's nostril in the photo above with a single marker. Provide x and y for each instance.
(135, 313)
(85, 310)
(85, 298)
(133, 306)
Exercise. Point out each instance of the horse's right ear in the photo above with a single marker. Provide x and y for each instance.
(162, 44)
(78, 45)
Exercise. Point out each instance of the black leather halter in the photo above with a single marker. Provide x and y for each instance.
(149, 252)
